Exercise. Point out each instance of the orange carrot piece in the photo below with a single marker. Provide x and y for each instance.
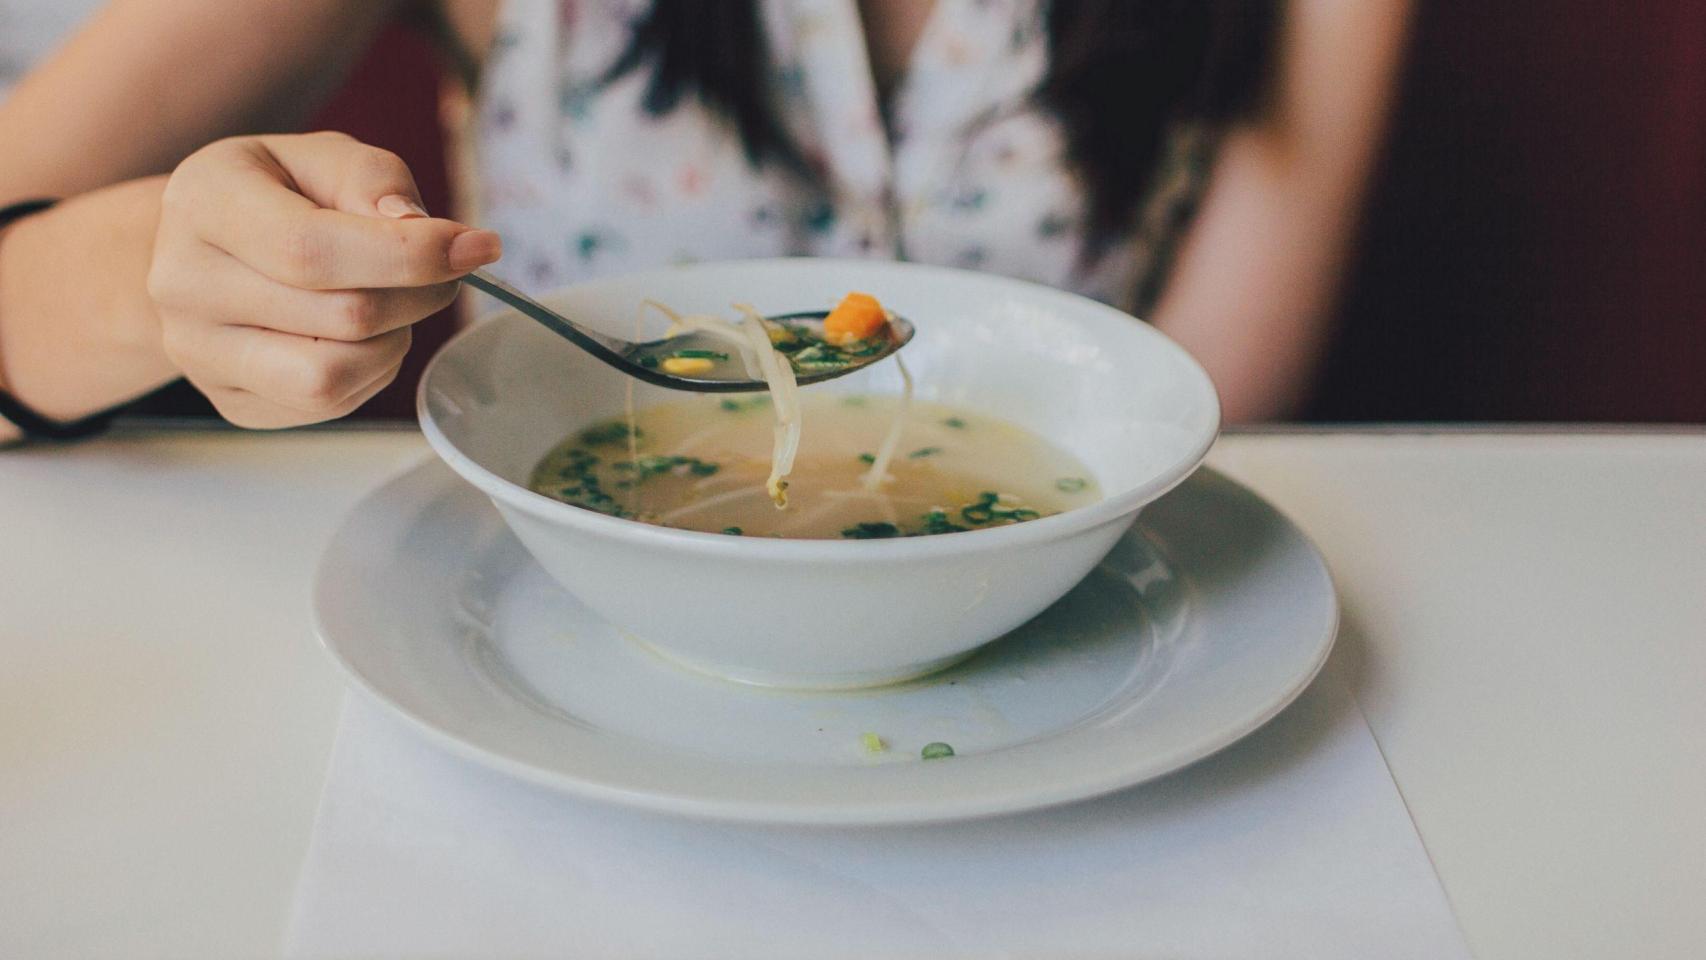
(857, 317)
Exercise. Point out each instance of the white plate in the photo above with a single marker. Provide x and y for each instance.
(1203, 623)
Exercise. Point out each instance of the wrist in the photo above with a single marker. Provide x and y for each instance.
(10, 216)
(78, 333)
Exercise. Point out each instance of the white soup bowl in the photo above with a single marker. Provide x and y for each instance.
(1114, 392)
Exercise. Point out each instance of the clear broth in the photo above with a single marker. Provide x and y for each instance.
(701, 464)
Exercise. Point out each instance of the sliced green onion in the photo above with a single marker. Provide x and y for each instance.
(982, 511)
(612, 431)
(655, 464)
(936, 751)
(936, 521)
(988, 509)
(871, 531)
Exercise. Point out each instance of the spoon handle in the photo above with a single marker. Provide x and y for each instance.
(622, 355)
(598, 346)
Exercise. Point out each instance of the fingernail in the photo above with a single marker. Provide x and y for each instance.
(400, 207)
(476, 248)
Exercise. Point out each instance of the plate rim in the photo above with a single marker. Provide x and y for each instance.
(918, 810)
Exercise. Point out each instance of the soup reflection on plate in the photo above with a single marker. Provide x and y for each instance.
(701, 464)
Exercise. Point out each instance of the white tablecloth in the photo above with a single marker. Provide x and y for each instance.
(1293, 843)
(1524, 623)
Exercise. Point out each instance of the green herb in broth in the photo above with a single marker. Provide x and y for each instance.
(820, 355)
(936, 521)
(806, 350)
(577, 463)
(578, 482)
(871, 531)
(954, 423)
(703, 467)
(992, 507)
(988, 511)
(610, 431)
(654, 464)
(1071, 484)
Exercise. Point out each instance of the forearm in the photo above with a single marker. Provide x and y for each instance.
(78, 332)
(1253, 292)
(147, 82)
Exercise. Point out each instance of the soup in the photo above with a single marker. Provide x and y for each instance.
(858, 328)
(702, 464)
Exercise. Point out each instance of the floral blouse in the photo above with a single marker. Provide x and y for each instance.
(969, 172)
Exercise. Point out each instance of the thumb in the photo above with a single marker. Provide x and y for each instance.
(340, 172)
(401, 206)
(304, 210)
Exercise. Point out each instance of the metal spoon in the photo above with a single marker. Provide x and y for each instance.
(632, 358)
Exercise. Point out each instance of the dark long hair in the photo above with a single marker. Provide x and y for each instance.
(1120, 74)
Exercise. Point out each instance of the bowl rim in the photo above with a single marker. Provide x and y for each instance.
(1113, 507)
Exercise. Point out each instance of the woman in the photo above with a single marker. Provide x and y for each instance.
(1099, 145)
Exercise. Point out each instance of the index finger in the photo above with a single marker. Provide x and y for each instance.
(249, 210)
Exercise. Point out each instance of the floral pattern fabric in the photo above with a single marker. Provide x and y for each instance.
(969, 172)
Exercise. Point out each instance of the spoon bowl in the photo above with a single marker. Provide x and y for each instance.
(644, 361)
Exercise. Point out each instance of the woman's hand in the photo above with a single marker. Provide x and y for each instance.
(288, 270)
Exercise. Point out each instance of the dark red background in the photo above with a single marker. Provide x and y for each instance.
(1536, 242)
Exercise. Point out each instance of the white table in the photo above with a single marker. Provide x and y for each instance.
(1525, 619)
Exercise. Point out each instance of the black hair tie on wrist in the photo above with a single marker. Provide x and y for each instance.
(34, 425)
